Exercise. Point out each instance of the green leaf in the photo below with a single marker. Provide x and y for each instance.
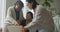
(50, 1)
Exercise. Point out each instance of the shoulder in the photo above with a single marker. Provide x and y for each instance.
(39, 7)
(11, 7)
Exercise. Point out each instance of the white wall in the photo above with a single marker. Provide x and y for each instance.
(56, 4)
(2, 12)
(8, 4)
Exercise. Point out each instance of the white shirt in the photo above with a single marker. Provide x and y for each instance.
(57, 23)
(42, 19)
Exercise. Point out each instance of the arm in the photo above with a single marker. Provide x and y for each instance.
(36, 19)
(9, 19)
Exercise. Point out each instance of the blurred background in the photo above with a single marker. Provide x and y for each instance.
(51, 5)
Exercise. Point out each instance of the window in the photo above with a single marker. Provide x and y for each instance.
(2, 11)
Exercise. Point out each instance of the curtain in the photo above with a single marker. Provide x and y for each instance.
(2, 12)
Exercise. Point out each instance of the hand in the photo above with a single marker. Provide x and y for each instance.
(22, 30)
(25, 28)
(17, 24)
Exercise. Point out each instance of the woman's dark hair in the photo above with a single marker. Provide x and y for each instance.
(30, 14)
(34, 3)
(20, 3)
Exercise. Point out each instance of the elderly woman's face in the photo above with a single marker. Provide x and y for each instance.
(29, 5)
(18, 7)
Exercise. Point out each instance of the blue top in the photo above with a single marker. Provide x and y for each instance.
(17, 14)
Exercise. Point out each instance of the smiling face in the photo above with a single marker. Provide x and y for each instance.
(28, 16)
(29, 5)
(18, 7)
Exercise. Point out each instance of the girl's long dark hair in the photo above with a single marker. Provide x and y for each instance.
(34, 3)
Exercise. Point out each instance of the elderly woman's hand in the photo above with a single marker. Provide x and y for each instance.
(18, 23)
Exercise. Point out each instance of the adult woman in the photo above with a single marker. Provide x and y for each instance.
(14, 15)
(42, 20)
